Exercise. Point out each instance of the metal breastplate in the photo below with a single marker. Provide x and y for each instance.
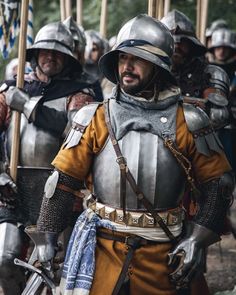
(154, 168)
(38, 147)
(139, 133)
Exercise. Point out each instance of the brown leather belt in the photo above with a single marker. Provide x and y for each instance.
(128, 239)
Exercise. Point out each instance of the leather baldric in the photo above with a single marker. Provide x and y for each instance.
(126, 175)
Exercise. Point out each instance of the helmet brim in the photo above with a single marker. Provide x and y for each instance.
(198, 49)
(108, 63)
(31, 52)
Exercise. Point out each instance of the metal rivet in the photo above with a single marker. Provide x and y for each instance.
(163, 119)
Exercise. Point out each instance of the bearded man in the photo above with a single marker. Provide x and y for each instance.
(136, 152)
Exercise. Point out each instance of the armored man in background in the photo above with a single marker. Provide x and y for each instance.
(137, 153)
(46, 103)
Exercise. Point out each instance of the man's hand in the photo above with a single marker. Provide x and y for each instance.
(187, 256)
(187, 261)
(16, 98)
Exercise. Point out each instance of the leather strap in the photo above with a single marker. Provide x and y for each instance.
(70, 190)
(134, 242)
(125, 172)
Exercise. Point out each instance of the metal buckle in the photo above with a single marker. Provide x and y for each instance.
(127, 240)
(121, 162)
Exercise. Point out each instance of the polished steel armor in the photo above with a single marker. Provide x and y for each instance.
(218, 78)
(77, 33)
(223, 37)
(10, 246)
(182, 27)
(154, 44)
(150, 162)
(38, 147)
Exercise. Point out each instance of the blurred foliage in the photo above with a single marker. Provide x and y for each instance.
(46, 11)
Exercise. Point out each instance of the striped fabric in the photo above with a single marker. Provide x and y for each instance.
(9, 25)
(30, 33)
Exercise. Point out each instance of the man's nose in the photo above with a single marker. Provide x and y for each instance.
(129, 65)
(50, 54)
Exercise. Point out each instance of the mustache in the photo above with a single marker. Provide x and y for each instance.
(126, 73)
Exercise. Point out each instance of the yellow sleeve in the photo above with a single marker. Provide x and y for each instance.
(204, 168)
(77, 161)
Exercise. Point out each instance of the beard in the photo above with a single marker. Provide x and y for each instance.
(134, 89)
(179, 59)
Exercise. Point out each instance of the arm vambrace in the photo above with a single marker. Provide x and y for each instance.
(216, 200)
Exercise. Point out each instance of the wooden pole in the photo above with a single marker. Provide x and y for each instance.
(103, 19)
(79, 12)
(20, 84)
(68, 8)
(198, 22)
(166, 7)
(63, 10)
(152, 8)
(203, 25)
(160, 9)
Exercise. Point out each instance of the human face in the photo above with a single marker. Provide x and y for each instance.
(51, 62)
(181, 52)
(134, 73)
(95, 53)
(223, 53)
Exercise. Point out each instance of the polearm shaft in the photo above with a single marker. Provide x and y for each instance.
(166, 7)
(152, 4)
(160, 9)
(79, 12)
(68, 8)
(103, 19)
(16, 116)
(203, 25)
(198, 18)
(62, 10)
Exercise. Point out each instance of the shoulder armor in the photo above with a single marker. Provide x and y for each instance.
(4, 87)
(80, 121)
(218, 78)
(199, 125)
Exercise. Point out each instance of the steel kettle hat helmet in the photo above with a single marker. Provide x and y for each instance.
(217, 24)
(182, 28)
(145, 37)
(223, 37)
(54, 36)
(77, 33)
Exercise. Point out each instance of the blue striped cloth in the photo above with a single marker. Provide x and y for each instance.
(79, 265)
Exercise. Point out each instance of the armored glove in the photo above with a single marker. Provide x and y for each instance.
(16, 98)
(46, 245)
(8, 191)
(186, 258)
(20, 101)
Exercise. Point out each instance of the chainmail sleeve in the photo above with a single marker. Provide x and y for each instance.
(56, 210)
(215, 202)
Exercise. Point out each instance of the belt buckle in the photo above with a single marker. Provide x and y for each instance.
(127, 240)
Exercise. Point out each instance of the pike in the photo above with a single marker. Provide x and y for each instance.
(19, 83)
